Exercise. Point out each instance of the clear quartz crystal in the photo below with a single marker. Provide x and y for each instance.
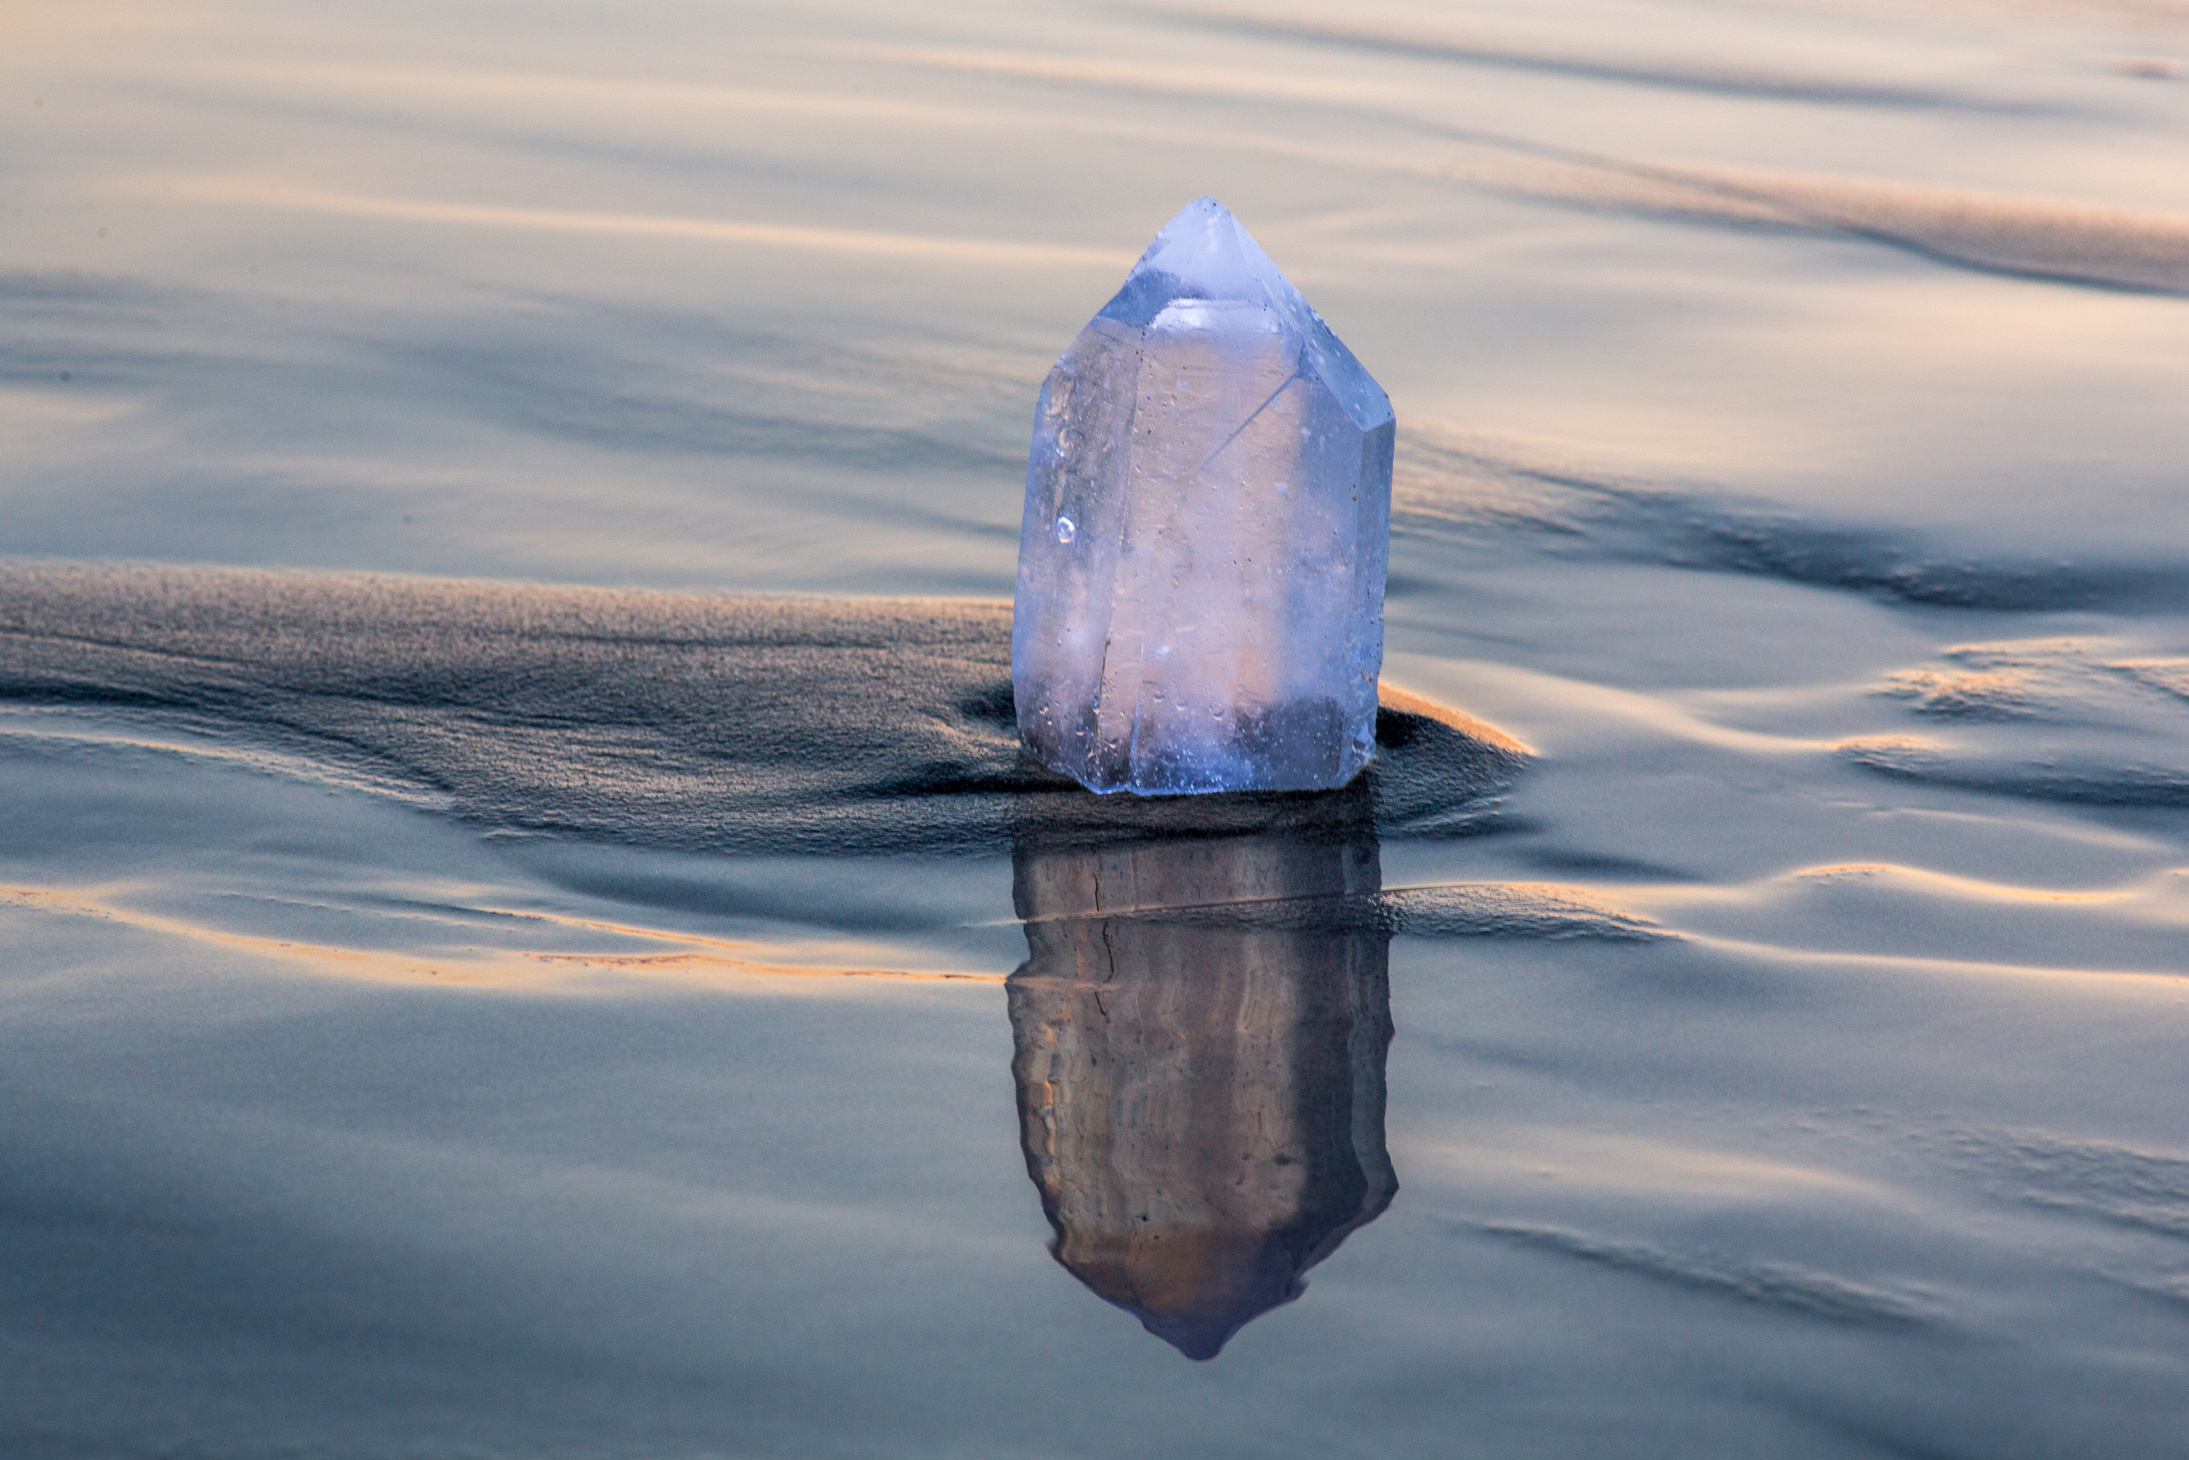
(1207, 530)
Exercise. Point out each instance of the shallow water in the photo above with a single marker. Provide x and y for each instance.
(657, 1014)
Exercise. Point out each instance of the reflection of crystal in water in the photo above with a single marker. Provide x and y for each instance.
(1207, 527)
(1201, 1104)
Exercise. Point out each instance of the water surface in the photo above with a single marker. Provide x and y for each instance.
(526, 932)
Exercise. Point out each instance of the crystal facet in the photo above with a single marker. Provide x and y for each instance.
(1207, 530)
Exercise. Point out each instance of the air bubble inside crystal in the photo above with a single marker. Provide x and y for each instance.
(1230, 462)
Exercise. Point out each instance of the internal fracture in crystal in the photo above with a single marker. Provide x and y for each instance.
(1207, 532)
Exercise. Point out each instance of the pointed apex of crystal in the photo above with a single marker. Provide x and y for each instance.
(1205, 254)
(1205, 257)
